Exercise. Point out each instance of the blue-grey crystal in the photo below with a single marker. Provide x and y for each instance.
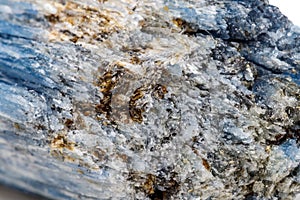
(153, 99)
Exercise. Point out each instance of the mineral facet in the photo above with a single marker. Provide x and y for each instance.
(153, 99)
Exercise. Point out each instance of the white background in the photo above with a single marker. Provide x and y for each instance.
(290, 8)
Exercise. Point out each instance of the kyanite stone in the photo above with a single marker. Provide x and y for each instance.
(148, 100)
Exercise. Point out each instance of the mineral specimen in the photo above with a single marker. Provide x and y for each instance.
(153, 99)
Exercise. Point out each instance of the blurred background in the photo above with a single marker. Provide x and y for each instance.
(7, 193)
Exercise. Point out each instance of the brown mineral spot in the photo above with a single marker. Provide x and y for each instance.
(268, 149)
(17, 126)
(99, 154)
(107, 83)
(178, 22)
(149, 184)
(142, 23)
(58, 154)
(159, 91)
(61, 142)
(161, 186)
(185, 26)
(120, 102)
(206, 164)
(137, 105)
(123, 157)
(138, 94)
(136, 114)
(40, 127)
(104, 106)
(69, 158)
(74, 39)
(164, 188)
(135, 111)
(88, 24)
(52, 18)
(87, 113)
(135, 60)
(68, 123)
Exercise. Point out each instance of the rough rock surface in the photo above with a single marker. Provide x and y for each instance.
(153, 99)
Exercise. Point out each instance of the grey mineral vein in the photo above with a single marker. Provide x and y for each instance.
(153, 99)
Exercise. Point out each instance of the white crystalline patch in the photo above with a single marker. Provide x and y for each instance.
(2, 141)
(5, 9)
(50, 8)
(288, 152)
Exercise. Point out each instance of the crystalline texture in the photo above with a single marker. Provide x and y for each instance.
(164, 99)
